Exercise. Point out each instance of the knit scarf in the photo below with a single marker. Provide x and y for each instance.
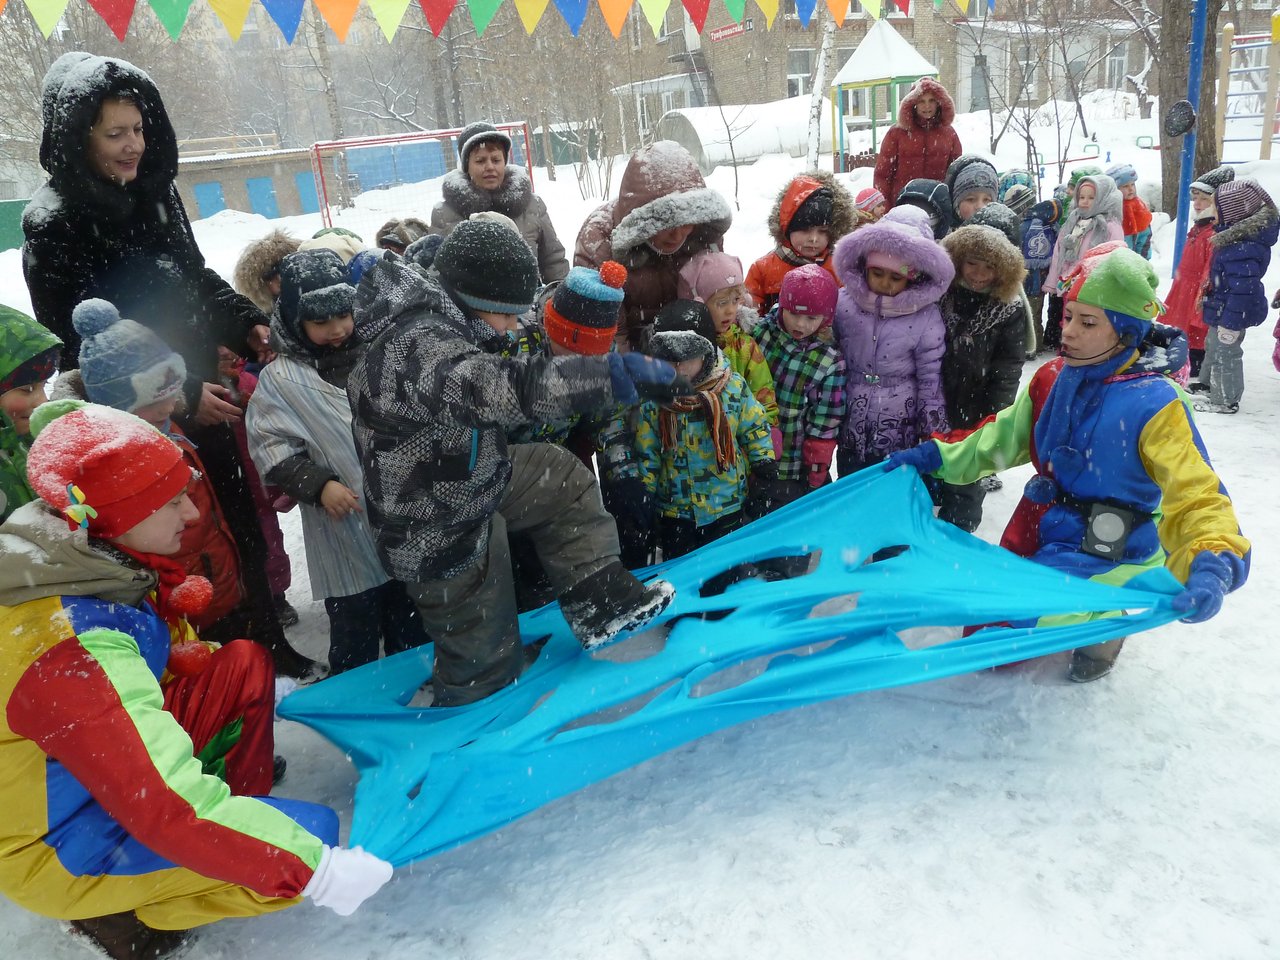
(787, 255)
(707, 399)
(1075, 397)
(171, 574)
(1136, 216)
(1085, 233)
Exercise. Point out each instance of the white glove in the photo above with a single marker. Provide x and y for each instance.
(284, 687)
(346, 878)
(1228, 336)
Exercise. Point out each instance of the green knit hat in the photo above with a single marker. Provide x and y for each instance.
(1122, 283)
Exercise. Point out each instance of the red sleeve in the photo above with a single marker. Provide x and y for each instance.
(887, 165)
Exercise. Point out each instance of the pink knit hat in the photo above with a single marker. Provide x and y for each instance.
(868, 199)
(809, 290)
(886, 261)
(706, 273)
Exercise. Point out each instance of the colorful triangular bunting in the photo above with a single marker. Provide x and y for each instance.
(737, 9)
(804, 9)
(875, 8)
(839, 10)
(615, 14)
(47, 13)
(770, 10)
(573, 12)
(172, 15)
(697, 10)
(232, 13)
(388, 13)
(286, 15)
(116, 14)
(437, 12)
(531, 12)
(482, 12)
(655, 11)
(905, 6)
(338, 14)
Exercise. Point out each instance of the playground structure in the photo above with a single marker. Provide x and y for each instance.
(346, 169)
(1248, 78)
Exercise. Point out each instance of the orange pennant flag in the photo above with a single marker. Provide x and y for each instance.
(615, 14)
(338, 14)
(839, 10)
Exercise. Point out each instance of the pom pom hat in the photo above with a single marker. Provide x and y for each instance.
(104, 469)
(1122, 283)
(582, 316)
(124, 364)
(811, 291)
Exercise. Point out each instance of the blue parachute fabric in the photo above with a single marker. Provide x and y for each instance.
(433, 778)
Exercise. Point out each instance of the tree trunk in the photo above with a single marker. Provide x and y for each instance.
(335, 110)
(1206, 113)
(820, 80)
(1175, 65)
(548, 154)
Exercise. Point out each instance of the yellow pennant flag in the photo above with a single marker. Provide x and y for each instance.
(388, 13)
(615, 14)
(338, 14)
(47, 13)
(531, 12)
(770, 10)
(839, 10)
(654, 11)
(874, 8)
(232, 14)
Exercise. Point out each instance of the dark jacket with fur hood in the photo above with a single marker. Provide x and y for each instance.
(1235, 298)
(912, 149)
(515, 199)
(764, 278)
(432, 402)
(257, 260)
(88, 237)
(986, 331)
(661, 188)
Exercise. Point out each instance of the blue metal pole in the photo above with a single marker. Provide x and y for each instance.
(1199, 25)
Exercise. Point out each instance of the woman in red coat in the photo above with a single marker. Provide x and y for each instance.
(922, 142)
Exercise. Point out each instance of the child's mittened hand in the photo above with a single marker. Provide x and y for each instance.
(1210, 579)
(923, 458)
(1275, 301)
(339, 500)
(816, 456)
(346, 878)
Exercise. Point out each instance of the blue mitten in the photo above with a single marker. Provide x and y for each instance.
(636, 376)
(1212, 575)
(924, 458)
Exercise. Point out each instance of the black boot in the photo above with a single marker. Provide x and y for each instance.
(122, 936)
(612, 601)
(285, 611)
(1095, 662)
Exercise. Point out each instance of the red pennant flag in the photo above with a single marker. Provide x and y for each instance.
(697, 10)
(904, 6)
(437, 12)
(116, 14)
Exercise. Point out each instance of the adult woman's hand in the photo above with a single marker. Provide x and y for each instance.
(215, 406)
(260, 342)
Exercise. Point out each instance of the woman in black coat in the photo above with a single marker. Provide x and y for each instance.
(109, 223)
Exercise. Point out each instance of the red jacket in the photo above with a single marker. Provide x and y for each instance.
(1182, 305)
(910, 149)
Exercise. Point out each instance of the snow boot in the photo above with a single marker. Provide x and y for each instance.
(612, 601)
(122, 936)
(284, 610)
(1096, 664)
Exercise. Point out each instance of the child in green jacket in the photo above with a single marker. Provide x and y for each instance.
(28, 355)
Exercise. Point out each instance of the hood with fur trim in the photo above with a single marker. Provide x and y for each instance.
(907, 108)
(903, 233)
(978, 242)
(845, 215)
(511, 199)
(662, 188)
(256, 260)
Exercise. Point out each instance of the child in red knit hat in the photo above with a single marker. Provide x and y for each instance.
(137, 760)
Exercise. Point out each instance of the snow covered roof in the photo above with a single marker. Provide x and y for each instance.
(243, 155)
(883, 54)
(756, 129)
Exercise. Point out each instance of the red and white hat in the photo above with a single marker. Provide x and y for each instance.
(868, 198)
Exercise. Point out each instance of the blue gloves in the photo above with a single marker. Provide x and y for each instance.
(636, 377)
(1212, 576)
(924, 458)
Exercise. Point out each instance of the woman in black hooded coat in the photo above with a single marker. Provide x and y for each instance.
(109, 223)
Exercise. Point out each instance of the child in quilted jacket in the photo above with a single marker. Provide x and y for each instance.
(1137, 215)
(891, 336)
(28, 355)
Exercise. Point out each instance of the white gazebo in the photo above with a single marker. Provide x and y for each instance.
(885, 59)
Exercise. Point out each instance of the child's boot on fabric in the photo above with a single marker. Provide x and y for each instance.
(612, 601)
(1094, 662)
(122, 936)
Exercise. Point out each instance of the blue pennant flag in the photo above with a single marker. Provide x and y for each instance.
(804, 9)
(286, 14)
(574, 13)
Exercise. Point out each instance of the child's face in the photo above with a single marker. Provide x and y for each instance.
(162, 531)
(332, 331)
(978, 275)
(1085, 195)
(811, 242)
(504, 323)
(723, 306)
(972, 203)
(801, 325)
(886, 283)
(1129, 191)
(1200, 202)
(878, 211)
(157, 413)
(19, 403)
(1087, 335)
(689, 368)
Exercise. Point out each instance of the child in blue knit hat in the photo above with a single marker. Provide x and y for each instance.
(1137, 215)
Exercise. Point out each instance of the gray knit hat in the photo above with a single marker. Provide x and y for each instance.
(1210, 181)
(474, 134)
(488, 267)
(972, 179)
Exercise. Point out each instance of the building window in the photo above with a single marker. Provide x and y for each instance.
(637, 24)
(642, 115)
(799, 72)
(1025, 77)
(672, 100)
(672, 22)
(1117, 65)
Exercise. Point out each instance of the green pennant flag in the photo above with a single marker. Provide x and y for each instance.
(172, 15)
(482, 12)
(737, 9)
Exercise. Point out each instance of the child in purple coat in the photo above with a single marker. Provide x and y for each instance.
(891, 336)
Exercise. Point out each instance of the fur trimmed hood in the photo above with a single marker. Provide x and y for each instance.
(907, 108)
(662, 188)
(845, 215)
(904, 233)
(511, 199)
(256, 260)
(978, 242)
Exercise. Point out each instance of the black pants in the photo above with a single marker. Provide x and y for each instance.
(847, 462)
(677, 537)
(1053, 323)
(1197, 359)
(362, 624)
(960, 504)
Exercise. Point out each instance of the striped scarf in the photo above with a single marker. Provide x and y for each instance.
(707, 399)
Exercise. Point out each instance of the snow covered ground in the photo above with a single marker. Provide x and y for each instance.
(994, 815)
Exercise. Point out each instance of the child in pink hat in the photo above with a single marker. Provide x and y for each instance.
(871, 201)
